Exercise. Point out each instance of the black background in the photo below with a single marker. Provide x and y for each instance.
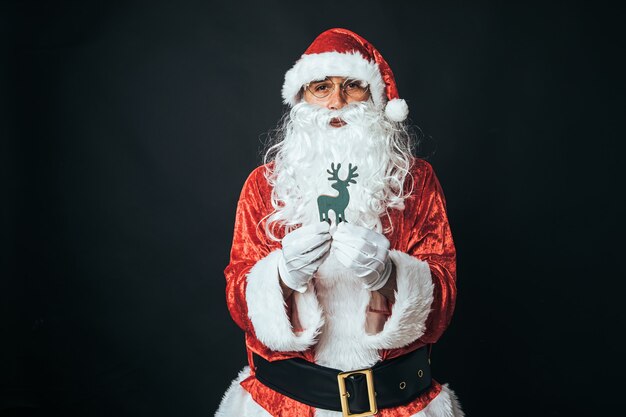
(132, 126)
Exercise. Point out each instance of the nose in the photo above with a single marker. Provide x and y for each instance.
(336, 100)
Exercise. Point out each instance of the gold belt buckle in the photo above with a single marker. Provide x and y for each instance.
(343, 394)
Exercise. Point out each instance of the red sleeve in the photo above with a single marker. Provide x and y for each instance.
(250, 244)
(430, 240)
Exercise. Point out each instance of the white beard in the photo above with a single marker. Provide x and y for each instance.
(311, 145)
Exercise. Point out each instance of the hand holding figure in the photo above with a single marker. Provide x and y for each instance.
(304, 250)
(364, 251)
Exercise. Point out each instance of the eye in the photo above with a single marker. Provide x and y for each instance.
(320, 87)
(354, 85)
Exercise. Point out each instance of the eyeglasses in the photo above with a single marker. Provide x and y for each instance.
(356, 89)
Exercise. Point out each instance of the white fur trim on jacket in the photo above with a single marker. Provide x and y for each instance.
(237, 402)
(414, 297)
(267, 312)
(314, 67)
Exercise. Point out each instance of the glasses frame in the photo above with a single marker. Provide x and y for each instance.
(342, 87)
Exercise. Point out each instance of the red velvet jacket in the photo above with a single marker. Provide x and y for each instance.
(420, 230)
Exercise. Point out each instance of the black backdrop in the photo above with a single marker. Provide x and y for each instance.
(132, 127)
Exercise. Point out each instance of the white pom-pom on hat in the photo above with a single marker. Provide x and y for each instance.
(397, 110)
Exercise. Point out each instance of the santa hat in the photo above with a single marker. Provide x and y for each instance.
(343, 53)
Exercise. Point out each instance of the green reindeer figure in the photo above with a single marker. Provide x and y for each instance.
(338, 203)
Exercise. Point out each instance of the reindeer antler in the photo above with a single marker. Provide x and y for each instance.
(351, 174)
(335, 172)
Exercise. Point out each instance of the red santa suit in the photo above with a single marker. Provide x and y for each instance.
(423, 253)
(336, 321)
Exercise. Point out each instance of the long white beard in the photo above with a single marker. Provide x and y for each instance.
(379, 148)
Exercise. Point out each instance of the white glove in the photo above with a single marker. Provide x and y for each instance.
(304, 250)
(364, 251)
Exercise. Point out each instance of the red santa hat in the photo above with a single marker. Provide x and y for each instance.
(343, 53)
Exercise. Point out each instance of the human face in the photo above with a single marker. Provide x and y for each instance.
(336, 100)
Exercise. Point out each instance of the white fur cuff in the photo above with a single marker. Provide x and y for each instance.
(267, 309)
(414, 297)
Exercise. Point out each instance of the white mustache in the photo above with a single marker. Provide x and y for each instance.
(361, 113)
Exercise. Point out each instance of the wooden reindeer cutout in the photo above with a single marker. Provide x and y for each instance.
(338, 203)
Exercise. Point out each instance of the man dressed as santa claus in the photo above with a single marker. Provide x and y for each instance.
(342, 270)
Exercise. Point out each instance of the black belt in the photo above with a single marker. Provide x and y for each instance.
(356, 393)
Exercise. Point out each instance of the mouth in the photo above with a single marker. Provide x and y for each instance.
(337, 122)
